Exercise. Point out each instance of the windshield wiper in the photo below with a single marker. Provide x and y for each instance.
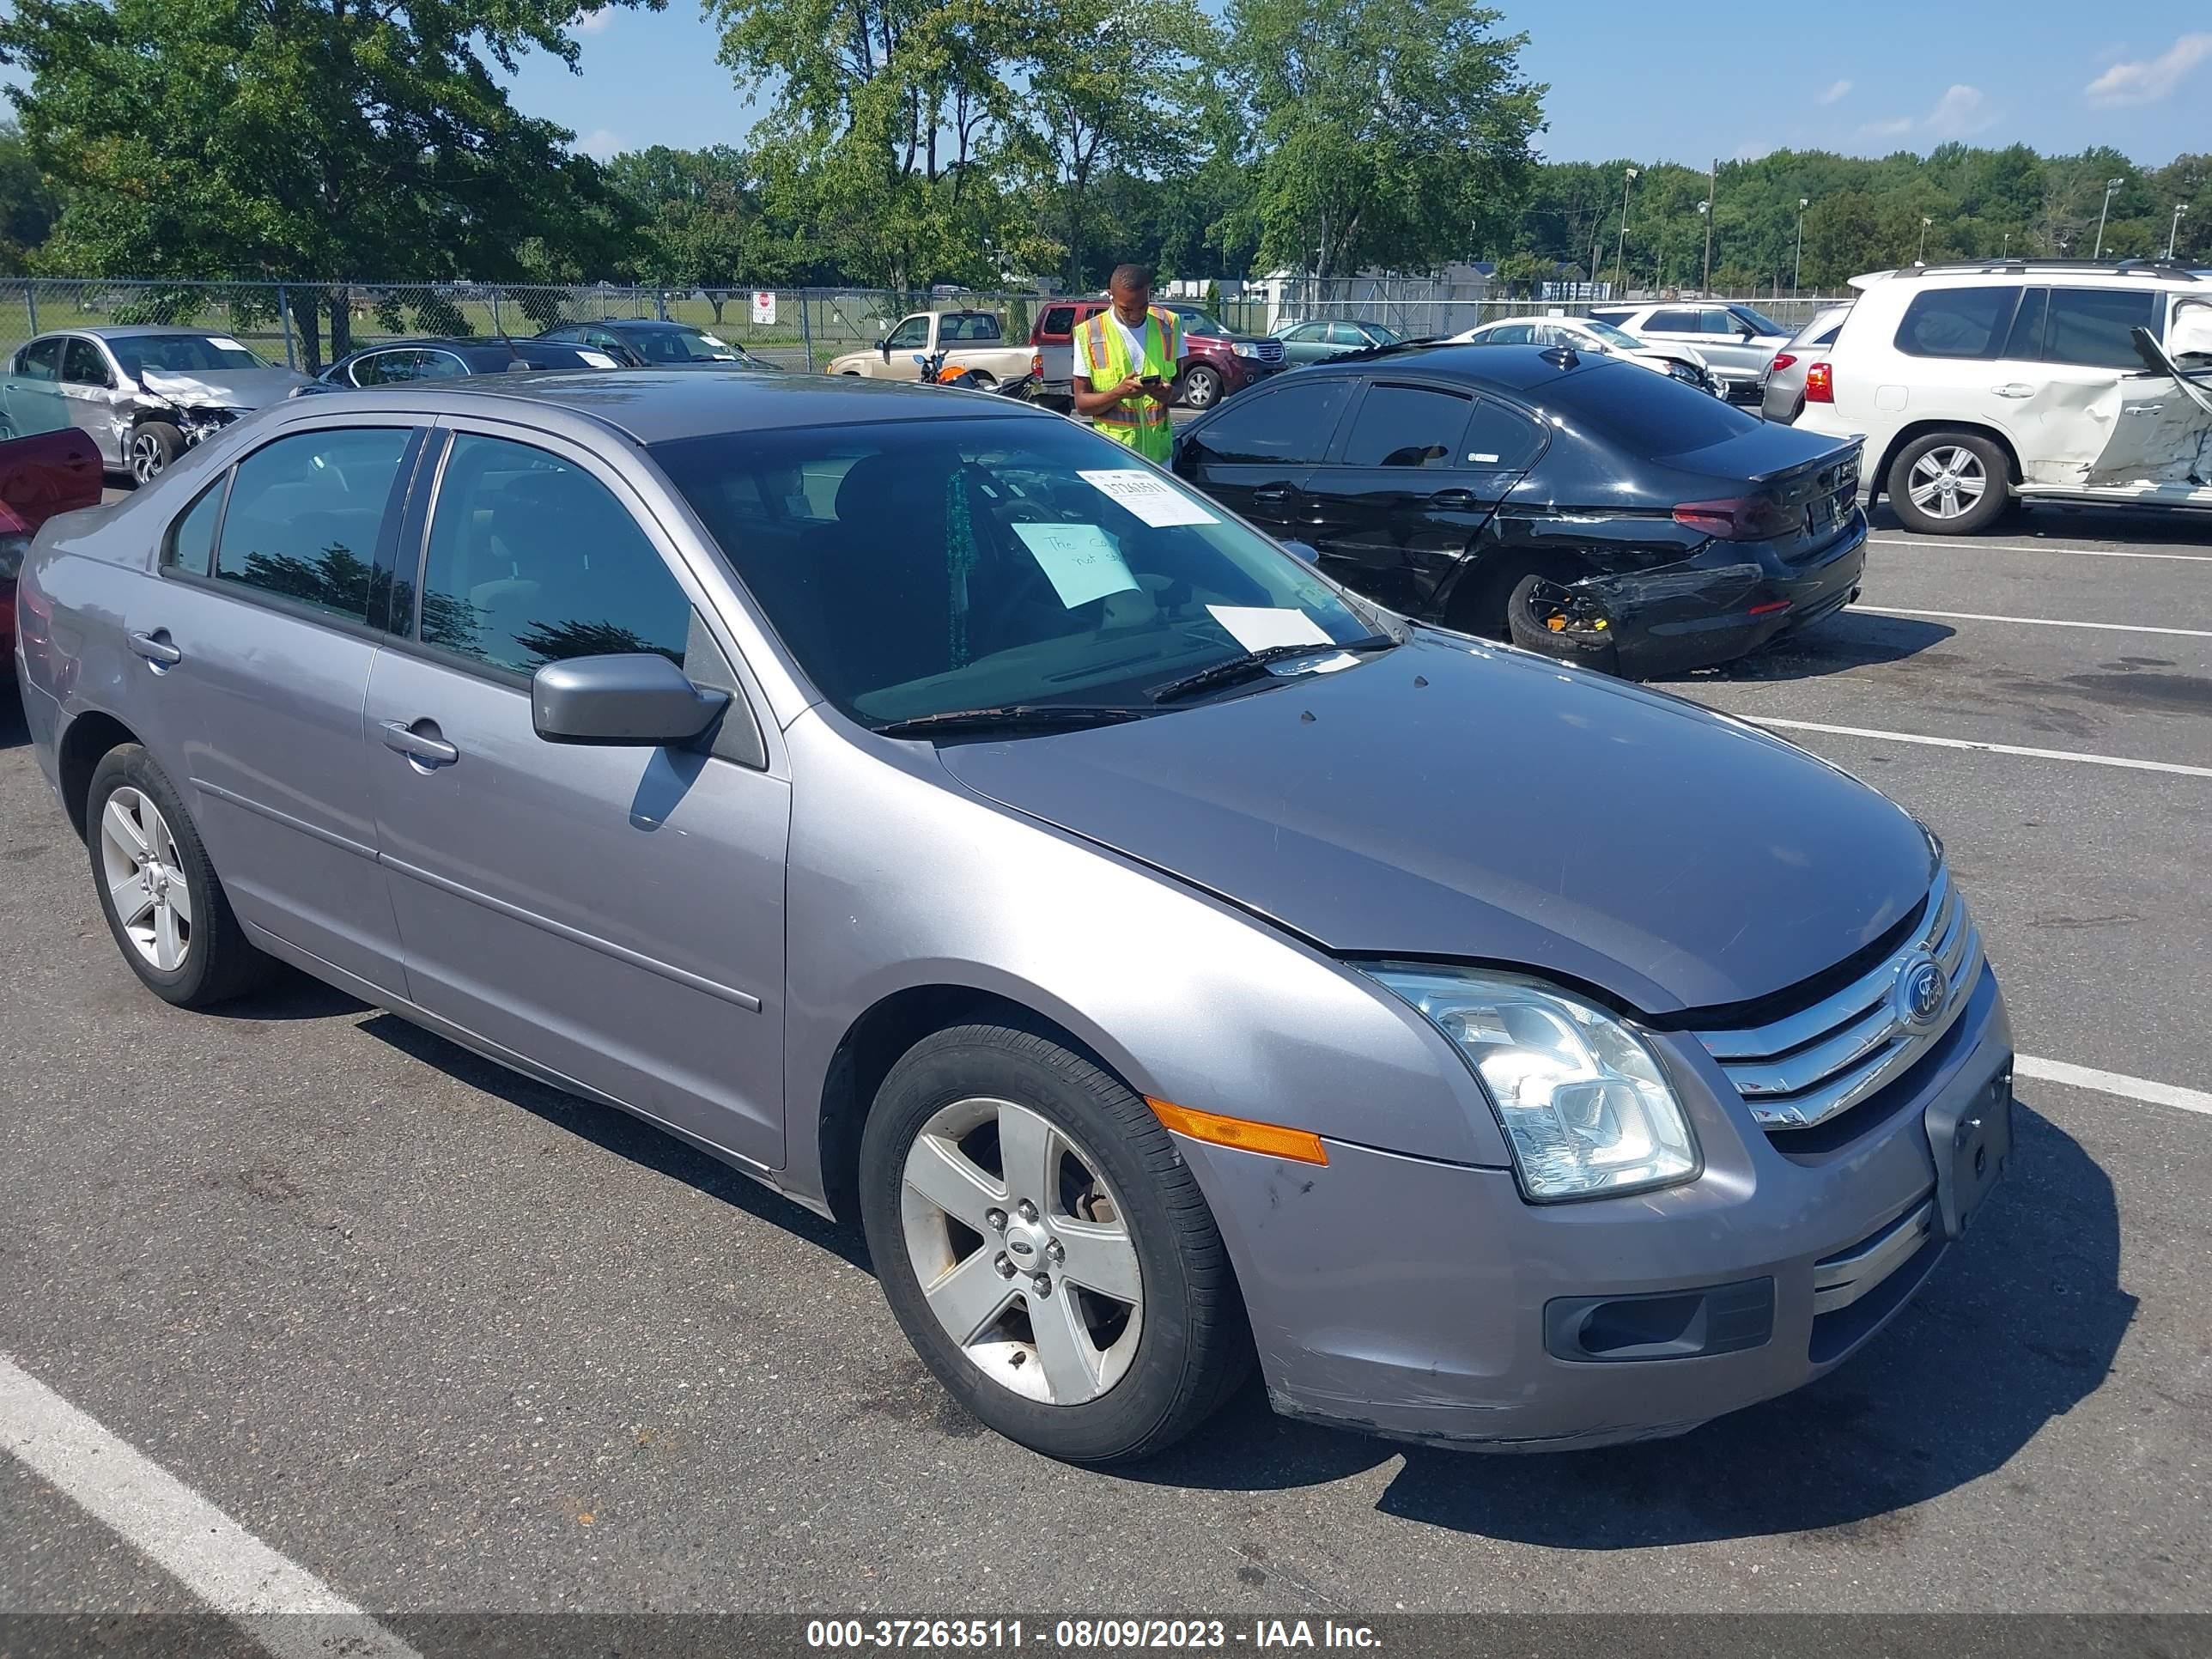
(1252, 662)
(1011, 714)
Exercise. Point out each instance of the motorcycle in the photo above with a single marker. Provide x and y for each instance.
(938, 370)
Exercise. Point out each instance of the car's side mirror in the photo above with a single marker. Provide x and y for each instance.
(885, 346)
(640, 699)
(1305, 551)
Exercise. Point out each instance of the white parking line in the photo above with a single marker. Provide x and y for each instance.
(2174, 767)
(1968, 545)
(2114, 1083)
(2033, 622)
(280, 1604)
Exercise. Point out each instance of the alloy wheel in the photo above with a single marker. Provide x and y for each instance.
(145, 879)
(1022, 1251)
(1948, 481)
(146, 460)
(1200, 389)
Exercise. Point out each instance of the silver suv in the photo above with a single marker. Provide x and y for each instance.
(1736, 341)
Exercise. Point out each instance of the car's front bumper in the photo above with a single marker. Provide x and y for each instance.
(1426, 1301)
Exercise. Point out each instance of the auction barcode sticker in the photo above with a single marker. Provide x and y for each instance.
(1150, 497)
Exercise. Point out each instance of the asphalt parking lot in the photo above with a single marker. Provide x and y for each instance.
(448, 1340)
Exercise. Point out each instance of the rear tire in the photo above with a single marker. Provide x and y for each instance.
(164, 903)
(1949, 483)
(1200, 387)
(1584, 648)
(1088, 1376)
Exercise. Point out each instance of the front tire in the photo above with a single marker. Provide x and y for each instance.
(1949, 483)
(1045, 1248)
(163, 901)
(1200, 388)
(153, 445)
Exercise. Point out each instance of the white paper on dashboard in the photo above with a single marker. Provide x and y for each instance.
(224, 342)
(1080, 560)
(1150, 497)
(596, 359)
(1257, 627)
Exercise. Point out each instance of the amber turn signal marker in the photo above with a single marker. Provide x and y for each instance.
(1268, 1140)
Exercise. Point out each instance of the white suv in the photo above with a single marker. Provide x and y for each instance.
(1976, 384)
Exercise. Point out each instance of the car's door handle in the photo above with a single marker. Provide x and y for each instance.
(2147, 409)
(1455, 501)
(2014, 389)
(415, 746)
(157, 648)
(1272, 494)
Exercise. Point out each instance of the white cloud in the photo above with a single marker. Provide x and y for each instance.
(1752, 150)
(598, 143)
(592, 22)
(2147, 81)
(1959, 113)
(1836, 93)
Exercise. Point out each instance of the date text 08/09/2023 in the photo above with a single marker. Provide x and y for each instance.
(1085, 1635)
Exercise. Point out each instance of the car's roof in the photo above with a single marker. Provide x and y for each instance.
(495, 345)
(1503, 367)
(141, 330)
(652, 406)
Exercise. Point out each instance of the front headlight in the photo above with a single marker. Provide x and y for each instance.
(1585, 1107)
(1245, 350)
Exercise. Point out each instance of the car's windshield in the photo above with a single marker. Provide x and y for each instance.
(681, 345)
(1197, 322)
(1765, 325)
(1612, 338)
(919, 566)
(181, 353)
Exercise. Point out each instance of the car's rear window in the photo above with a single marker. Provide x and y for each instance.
(1645, 414)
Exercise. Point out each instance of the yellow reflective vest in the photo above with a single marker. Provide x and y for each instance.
(1139, 423)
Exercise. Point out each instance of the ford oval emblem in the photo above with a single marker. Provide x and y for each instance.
(1922, 990)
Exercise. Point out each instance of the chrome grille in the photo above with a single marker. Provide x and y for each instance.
(1269, 351)
(1807, 1066)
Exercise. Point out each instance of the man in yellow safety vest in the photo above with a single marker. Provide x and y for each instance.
(1127, 357)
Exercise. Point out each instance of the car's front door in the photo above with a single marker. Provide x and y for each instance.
(906, 341)
(1254, 456)
(1408, 489)
(34, 392)
(89, 387)
(2160, 447)
(257, 644)
(612, 914)
(2081, 407)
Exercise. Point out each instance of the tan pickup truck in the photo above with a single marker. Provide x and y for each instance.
(969, 339)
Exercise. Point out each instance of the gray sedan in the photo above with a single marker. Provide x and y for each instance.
(143, 393)
(970, 831)
(1781, 387)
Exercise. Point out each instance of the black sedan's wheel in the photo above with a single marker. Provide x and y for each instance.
(1045, 1248)
(159, 893)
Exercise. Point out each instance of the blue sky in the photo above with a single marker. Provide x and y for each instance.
(1685, 83)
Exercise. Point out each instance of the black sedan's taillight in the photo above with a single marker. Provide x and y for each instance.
(1738, 518)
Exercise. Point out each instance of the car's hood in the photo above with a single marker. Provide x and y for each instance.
(1451, 800)
(1671, 353)
(224, 388)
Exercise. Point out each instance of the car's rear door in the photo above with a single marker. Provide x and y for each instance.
(1254, 455)
(611, 914)
(256, 644)
(1408, 486)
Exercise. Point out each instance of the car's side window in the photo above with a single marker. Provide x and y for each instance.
(81, 365)
(1500, 437)
(439, 366)
(1408, 426)
(369, 370)
(1291, 422)
(1061, 319)
(1345, 334)
(532, 560)
(41, 360)
(1957, 322)
(190, 545)
(2024, 338)
(1673, 322)
(1511, 334)
(915, 332)
(305, 512)
(2094, 326)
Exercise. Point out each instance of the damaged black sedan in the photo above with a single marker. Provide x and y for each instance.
(1574, 504)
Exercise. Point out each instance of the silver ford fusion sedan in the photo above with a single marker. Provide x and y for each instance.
(1169, 959)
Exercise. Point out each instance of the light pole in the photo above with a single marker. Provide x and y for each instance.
(2174, 231)
(1705, 212)
(1920, 254)
(1797, 275)
(2005, 252)
(2111, 184)
(1620, 255)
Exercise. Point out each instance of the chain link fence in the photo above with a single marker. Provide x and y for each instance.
(307, 326)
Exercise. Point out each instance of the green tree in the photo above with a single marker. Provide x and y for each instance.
(27, 203)
(1390, 133)
(326, 139)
